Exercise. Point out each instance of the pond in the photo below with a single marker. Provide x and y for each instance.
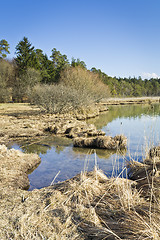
(60, 160)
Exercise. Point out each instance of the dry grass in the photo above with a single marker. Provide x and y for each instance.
(14, 166)
(19, 122)
(130, 100)
(88, 206)
(102, 142)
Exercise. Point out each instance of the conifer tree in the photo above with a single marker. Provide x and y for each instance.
(25, 55)
(4, 48)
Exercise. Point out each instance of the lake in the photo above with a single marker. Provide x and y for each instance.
(60, 160)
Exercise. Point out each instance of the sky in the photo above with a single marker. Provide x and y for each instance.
(120, 37)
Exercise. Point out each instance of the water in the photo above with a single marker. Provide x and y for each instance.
(139, 123)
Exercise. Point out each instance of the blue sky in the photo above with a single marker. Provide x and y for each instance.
(121, 37)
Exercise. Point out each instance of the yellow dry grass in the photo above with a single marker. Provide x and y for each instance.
(88, 206)
(20, 121)
(14, 166)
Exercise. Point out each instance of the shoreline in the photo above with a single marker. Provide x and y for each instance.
(130, 100)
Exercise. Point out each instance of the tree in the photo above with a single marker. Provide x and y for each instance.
(77, 62)
(7, 75)
(60, 62)
(4, 48)
(44, 65)
(25, 55)
(39, 59)
(24, 83)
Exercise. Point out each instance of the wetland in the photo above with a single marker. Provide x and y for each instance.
(139, 123)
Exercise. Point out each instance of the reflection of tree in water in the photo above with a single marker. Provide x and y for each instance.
(45, 144)
(36, 148)
(127, 111)
(101, 153)
(59, 149)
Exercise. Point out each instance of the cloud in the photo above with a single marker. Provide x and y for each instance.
(149, 75)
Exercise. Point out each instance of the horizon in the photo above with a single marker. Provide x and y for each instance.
(119, 37)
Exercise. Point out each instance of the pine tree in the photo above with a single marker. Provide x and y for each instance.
(25, 55)
(4, 48)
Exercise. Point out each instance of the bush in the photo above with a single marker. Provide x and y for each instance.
(56, 98)
(87, 84)
(77, 88)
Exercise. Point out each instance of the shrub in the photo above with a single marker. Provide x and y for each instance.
(56, 98)
(87, 84)
(77, 87)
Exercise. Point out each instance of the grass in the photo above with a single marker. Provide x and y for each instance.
(88, 206)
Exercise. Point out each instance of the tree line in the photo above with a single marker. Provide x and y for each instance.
(131, 86)
(31, 67)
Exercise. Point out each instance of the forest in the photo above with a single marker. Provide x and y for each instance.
(32, 74)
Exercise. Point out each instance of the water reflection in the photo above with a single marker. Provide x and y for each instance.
(101, 153)
(44, 144)
(140, 123)
(125, 112)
